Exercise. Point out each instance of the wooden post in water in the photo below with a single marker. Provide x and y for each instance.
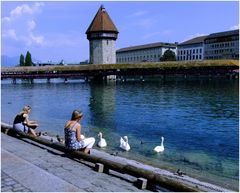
(14, 81)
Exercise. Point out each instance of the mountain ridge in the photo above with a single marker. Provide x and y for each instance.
(7, 61)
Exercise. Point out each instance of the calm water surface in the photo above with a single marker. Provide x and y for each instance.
(198, 119)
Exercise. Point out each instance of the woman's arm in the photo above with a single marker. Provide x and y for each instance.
(78, 132)
(29, 123)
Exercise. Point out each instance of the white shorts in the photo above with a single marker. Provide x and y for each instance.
(88, 142)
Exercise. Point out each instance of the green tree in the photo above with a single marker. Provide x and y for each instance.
(21, 61)
(28, 59)
(168, 55)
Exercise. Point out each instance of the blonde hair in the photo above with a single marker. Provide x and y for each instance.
(76, 114)
(26, 109)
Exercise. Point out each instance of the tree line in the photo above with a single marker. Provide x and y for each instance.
(27, 61)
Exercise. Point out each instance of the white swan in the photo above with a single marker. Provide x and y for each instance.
(159, 148)
(124, 143)
(102, 142)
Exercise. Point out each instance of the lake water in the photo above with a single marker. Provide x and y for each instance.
(198, 119)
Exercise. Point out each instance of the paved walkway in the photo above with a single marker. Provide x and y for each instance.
(27, 166)
(8, 184)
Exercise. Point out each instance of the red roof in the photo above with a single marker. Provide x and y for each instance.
(102, 22)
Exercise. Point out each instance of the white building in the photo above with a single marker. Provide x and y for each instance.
(192, 49)
(222, 45)
(144, 53)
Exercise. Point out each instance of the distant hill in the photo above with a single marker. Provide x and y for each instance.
(9, 61)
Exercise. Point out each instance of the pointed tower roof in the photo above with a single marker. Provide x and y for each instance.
(102, 22)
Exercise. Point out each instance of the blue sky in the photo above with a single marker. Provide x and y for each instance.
(55, 30)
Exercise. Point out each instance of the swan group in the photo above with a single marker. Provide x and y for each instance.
(124, 143)
(102, 142)
(159, 148)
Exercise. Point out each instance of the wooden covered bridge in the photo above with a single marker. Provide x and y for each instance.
(121, 71)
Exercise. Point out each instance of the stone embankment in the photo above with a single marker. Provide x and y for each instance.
(114, 173)
(27, 166)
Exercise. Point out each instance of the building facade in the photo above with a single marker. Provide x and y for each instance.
(192, 49)
(222, 45)
(102, 35)
(144, 53)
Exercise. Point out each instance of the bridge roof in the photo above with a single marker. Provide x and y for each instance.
(102, 22)
(103, 67)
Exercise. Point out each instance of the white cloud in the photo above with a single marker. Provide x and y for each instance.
(20, 10)
(234, 27)
(6, 19)
(20, 24)
(138, 13)
(26, 9)
(10, 33)
(37, 39)
(31, 25)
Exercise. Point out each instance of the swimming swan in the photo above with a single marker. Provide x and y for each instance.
(102, 142)
(124, 143)
(159, 148)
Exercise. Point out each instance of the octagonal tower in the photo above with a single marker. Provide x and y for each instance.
(102, 35)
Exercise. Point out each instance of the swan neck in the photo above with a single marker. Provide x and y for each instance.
(162, 141)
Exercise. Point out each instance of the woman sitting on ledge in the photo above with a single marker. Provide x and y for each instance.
(73, 138)
(22, 123)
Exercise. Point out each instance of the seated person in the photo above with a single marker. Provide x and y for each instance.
(73, 138)
(22, 123)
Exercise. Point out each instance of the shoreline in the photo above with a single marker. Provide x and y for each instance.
(185, 179)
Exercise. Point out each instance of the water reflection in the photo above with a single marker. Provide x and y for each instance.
(102, 104)
(199, 119)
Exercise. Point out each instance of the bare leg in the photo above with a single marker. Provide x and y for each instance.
(31, 131)
(87, 150)
(33, 126)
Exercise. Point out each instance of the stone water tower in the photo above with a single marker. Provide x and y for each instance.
(102, 35)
